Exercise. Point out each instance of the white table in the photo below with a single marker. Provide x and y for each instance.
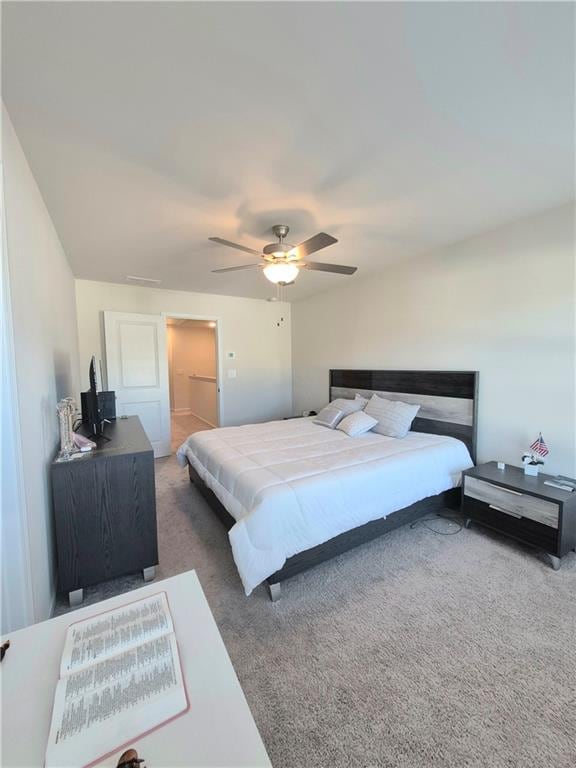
(218, 729)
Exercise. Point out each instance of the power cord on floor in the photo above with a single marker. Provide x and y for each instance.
(452, 520)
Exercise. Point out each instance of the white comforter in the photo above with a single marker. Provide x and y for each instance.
(291, 485)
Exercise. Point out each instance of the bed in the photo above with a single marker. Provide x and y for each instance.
(293, 494)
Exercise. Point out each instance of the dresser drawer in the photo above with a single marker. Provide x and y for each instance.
(511, 502)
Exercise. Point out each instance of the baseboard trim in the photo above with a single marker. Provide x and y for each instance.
(202, 419)
(189, 412)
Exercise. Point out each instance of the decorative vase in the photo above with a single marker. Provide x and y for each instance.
(66, 409)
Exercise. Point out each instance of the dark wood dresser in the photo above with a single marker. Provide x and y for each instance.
(105, 510)
(522, 507)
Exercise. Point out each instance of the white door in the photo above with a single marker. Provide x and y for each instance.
(137, 365)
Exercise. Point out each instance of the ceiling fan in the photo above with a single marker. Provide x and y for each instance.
(282, 262)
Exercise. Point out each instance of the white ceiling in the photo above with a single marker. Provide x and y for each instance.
(395, 127)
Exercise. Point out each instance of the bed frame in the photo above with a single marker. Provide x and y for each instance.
(448, 406)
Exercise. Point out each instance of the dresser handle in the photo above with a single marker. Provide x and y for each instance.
(506, 511)
(506, 490)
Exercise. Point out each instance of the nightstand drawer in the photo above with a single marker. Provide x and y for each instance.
(512, 502)
(521, 528)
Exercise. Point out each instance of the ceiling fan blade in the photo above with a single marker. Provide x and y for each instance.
(235, 269)
(313, 244)
(235, 245)
(337, 268)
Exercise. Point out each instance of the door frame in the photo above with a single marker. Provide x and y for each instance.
(217, 334)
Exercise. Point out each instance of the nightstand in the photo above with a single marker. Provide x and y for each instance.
(522, 507)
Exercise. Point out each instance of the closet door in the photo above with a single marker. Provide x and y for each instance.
(137, 365)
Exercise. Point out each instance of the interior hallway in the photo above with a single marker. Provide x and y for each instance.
(184, 425)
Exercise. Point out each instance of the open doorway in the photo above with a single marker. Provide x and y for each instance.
(192, 375)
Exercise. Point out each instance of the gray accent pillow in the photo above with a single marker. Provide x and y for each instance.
(347, 406)
(329, 417)
(357, 423)
(394, 417)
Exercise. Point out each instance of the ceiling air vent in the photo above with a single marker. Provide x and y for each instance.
(137, 279)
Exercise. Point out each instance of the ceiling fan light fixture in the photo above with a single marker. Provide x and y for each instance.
(284, 272)
(282, 261)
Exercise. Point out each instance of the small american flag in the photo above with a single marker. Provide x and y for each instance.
(539, 446)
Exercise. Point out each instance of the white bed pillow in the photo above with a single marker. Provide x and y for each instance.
(394, 417)
(329, 417)
(347, 406)
(357, 423)
(364, 400)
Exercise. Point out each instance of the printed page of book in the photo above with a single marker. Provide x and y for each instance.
(110, 704)
(111, 632)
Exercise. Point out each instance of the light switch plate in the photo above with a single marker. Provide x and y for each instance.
(232, 373)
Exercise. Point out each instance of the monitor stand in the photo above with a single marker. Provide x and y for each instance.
(100, 435)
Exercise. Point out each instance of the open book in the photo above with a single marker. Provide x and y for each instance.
(120, 677)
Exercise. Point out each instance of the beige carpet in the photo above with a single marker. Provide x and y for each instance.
(414, 651)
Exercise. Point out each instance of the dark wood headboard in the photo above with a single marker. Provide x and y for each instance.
(448, 399)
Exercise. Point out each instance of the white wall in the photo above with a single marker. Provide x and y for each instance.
(204, 400)
(502, 303)
(45, 346)
(252, 328)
